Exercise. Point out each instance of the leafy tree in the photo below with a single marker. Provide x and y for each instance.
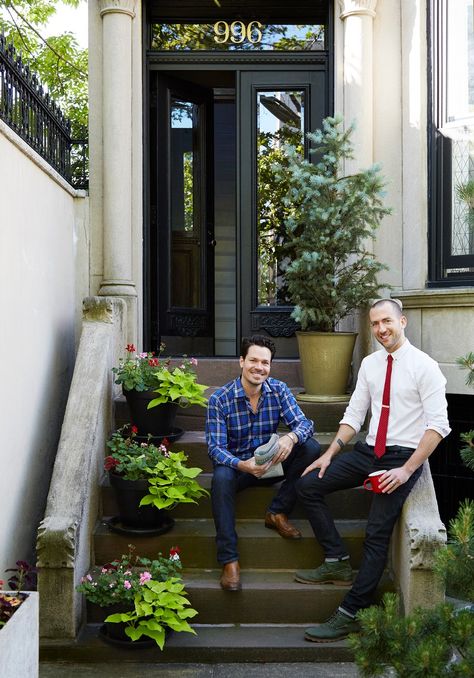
(59, 61)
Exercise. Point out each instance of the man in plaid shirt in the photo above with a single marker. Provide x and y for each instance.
(241, 416)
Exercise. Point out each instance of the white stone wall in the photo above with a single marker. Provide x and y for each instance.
(44, 276)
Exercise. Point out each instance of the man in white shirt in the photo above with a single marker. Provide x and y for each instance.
(408, 387)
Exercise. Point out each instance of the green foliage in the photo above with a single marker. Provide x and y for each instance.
(178, 385)
(455, 562)
(132, 459)
(171, 482)
(331, 219)
(157, 606)
(121, 580)
(416, 646)
(272, 211)
(59, 62)
(467, 363)
(150, 372)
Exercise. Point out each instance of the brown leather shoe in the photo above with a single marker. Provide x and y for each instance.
(279, 522)
(230, 579)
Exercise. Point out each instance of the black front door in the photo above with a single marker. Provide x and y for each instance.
(182, 232)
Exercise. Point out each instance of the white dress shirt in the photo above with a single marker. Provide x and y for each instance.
(417, 396)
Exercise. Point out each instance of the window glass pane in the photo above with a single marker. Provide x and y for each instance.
(280, 121)
(460, 60)
(236, 35)
(184, 203)
(462, 217)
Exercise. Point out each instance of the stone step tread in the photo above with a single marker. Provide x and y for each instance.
(247, 528)
(212, 644)
(253, 579)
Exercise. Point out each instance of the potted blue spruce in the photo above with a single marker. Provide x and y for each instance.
(330, 219)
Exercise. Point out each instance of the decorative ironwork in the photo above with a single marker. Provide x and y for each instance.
(277, 324)
(28, 109)
(187, 325)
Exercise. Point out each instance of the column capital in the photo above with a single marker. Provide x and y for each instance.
(354, 7)
(117, 7)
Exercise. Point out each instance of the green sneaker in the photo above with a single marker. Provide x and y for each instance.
(337, 627)
(338, 572)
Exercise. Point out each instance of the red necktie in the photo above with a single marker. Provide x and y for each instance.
(381, 437)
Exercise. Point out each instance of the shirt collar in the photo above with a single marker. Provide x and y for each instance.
(400, 352)
(239, 389)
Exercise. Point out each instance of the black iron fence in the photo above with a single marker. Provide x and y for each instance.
(29, 110)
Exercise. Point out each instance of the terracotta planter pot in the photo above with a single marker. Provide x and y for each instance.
(326, 361)
(158, 421)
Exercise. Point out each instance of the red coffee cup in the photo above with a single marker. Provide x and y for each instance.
(373, 481)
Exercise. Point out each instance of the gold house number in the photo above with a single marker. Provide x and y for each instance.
(237, 32)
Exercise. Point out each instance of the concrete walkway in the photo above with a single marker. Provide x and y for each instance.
(132, 670)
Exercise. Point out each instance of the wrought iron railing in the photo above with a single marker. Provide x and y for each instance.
(29, 110)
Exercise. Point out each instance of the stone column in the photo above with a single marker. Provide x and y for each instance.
(117, 16)
(358, 16)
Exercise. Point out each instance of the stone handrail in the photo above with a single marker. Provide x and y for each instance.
(64, 536)
(418, 534)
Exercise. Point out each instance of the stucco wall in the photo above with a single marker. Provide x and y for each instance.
(44, 276)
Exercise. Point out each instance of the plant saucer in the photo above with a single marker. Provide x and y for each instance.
(116, 525)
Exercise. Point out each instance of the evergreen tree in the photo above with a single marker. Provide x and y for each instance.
(331, 220)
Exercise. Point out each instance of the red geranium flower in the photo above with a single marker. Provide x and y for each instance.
(134, 429)
(110, 463)
(131, 348)
(165, 442)
(175, 551)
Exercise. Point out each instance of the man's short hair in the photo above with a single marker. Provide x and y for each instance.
(256, 340)
(395, 303)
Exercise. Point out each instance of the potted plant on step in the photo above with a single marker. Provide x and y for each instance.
(146, 599)
(155, 387)
(148, 480)
(331, 220)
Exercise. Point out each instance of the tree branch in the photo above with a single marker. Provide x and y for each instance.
(48, 45)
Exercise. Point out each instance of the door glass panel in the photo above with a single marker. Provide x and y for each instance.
(280, 121)
(237, 35)
(185, 288)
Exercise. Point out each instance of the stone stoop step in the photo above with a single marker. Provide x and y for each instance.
(223, 643)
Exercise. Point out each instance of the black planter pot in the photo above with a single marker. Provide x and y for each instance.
(133, 517)
(159, 421)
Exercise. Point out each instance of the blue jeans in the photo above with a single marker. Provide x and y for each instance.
(227, 481)
(350, 470)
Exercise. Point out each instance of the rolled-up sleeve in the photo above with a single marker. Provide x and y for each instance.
(294, 417)
(216, 435)
(359, 404)
(433, 397)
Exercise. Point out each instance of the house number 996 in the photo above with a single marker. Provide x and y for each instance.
(237, 32)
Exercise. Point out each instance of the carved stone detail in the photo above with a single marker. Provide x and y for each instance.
(98, 309)
(352, 7)
(117, 7)
(56, 542)
(277, 324)
(424, 546)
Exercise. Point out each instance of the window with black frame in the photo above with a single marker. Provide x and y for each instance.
(451, 160)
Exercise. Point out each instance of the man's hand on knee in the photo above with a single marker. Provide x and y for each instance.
(250, 466)
(321, 463)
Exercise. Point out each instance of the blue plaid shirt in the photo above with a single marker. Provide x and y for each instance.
(234, 431)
